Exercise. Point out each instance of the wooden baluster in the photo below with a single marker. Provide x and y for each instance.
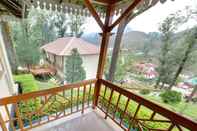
(180, 129)
(110, 98)
(3, 124)
(103, 104)
(152, 116)
(71, 100)
(83, 102)
(105, 92)
(78, 98)
(64, 104)
(171, 127)
(89, 95)
(45, 102)
(126, 106)
(10, 118)
(119, 96)
(133, 118)
(38, 111)
(29, 117)
(19, 117)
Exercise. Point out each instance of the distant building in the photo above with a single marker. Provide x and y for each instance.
(58, 51)
(146, 69)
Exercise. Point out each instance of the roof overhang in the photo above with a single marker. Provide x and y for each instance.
(67, 6)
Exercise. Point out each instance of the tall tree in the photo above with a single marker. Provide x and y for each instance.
(74, 69)
(190, 42)
(144, 6)
(60, 23)
(166, 61)
(75, 24)
(12, 57)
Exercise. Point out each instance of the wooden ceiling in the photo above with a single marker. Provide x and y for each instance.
(15, 6)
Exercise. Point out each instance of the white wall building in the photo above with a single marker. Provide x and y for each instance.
(58, 51)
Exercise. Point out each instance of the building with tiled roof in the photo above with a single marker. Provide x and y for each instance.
(58, 50)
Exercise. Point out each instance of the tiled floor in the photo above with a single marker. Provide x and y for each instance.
(91, 121)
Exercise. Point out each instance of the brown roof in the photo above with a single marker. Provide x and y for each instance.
(63, 46)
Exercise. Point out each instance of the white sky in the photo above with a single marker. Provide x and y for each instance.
(149, 20)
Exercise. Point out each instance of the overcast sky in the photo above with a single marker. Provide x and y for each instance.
(149, 20)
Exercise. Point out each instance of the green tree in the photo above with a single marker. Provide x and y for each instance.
(75, 25)
(60, 23)
(144, 6)
(189, 46)
(167, 62)
(74, 69)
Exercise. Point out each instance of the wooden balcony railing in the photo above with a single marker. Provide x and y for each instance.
(131, 111)
(37, 108)
(126, 109)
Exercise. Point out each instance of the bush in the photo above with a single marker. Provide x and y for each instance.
(170, 96)
(28, 84)
(145, 91)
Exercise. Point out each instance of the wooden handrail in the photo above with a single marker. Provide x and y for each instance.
(174, 119)
(22, 97)
(173, 116)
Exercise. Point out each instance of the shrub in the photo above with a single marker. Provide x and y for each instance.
(145, 91)
(171, 96)
(28, 84)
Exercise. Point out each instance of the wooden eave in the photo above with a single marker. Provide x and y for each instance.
(10, 6)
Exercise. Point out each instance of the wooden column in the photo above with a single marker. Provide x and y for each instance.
(106, 28)
(103, 51)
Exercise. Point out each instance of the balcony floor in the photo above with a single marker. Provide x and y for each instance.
(89, 121)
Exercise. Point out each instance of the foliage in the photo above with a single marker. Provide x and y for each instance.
(75, 24)
(168, 63)
(60, 22)
(74, 69)
(39, 28)
(170, 96)
(145, 91)
(124, 65)
(28, 84)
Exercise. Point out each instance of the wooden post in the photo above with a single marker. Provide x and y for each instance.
(103, 51)
(106, 28)
(2, 123)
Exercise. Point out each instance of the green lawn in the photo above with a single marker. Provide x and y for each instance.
(27, 81)
(186, 109)
(45, 84)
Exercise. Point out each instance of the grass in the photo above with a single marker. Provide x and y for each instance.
(46, 85)
(183, 108)
(28, 82)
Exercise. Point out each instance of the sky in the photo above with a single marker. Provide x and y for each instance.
(149, 21)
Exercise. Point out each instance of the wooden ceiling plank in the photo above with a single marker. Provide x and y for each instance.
(125, 13)
(94, 13)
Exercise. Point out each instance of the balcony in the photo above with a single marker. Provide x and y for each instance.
(86, 106)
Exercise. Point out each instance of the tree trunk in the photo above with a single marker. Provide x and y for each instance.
(192, 94)
(11, 52)
(120, 32)
(116, 50)
(157, 83)
(181, 66)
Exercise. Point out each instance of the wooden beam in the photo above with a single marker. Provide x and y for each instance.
(14, 7)
(94, 13)
(125, 13)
